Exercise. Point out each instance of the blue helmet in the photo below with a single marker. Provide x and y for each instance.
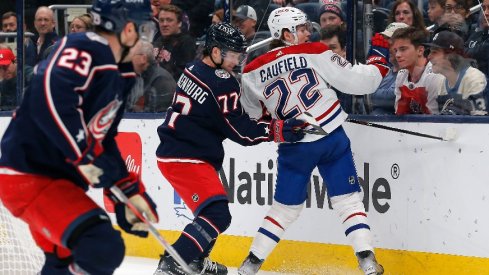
(112, 15)
(226, 37)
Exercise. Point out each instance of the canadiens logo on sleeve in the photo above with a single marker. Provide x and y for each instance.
(222, 74)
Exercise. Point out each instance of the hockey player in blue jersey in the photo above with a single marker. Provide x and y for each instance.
(303, 73)
(61, 141)
(206, 110)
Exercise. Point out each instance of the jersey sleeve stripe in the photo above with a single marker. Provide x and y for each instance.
(306, 48)
(51, 105)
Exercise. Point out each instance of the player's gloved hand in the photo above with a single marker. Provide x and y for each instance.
(104, 171)
(134, 189)
(287, 130)
(378, 54)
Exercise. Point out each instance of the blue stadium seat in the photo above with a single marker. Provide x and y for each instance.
(311, 9)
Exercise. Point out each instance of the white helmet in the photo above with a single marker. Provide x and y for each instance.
(285, 18)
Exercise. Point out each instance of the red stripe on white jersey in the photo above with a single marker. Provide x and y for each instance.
(270, 219)
(355, 214)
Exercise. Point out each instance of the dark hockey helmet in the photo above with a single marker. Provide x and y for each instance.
(112, 15)
(226, 37)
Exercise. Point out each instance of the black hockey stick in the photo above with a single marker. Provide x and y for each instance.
(173, 253)
(448, 136)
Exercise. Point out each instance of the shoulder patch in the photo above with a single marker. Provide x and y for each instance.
(222, 74)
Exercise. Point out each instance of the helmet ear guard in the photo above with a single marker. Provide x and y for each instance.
(286, 18)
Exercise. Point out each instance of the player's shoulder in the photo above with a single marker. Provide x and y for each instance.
(91, 43)
(271, 56)
(217, 80)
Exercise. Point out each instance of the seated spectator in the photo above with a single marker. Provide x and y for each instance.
(477, 46)
(9, 24)
(331, 14)
(46, 36)
(384, 98)
(245, 19)
(417, 87)
(174, 48)
(405, 11)
(334, 37)
(8, 79)
(462, 7)
(82, 23)
(154, 88)
(453, 22)
(436, 8)
(462, 92)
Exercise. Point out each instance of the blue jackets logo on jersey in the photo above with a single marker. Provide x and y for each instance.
(101, 122)
(222, 74)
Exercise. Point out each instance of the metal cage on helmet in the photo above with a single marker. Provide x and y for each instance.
(226, 37)
(112, 15)
(285, 18)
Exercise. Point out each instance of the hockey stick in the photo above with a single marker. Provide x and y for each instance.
(449, 135)
(316, 129)
(259, 44)
(123, 198)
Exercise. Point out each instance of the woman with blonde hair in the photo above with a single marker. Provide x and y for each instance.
(82, 23)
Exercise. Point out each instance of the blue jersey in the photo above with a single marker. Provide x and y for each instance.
(206, 109)
(76, 98)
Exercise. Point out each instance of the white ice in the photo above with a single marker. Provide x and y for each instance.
(146, 266)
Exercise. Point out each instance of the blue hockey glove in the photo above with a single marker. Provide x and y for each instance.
(286, 130)
(134, 189)
(103, 171)
(378, 55)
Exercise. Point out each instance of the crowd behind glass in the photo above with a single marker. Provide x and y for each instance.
(438, 54)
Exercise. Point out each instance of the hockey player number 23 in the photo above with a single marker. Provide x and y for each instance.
(308, 96)
(73, 59)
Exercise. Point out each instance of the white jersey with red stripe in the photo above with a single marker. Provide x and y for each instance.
(292, 80)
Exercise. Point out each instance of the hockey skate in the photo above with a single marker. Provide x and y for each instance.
(368, 264)
(250, 265)
(168, 266)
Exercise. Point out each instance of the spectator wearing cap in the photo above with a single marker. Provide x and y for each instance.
(331, 14)
(383, 99)
(8, 79)
(463, 90)
(245, 19)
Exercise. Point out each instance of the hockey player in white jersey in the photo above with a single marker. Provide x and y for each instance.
(292, 79)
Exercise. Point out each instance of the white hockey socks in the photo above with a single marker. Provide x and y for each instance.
(277, 220)
(352, 213)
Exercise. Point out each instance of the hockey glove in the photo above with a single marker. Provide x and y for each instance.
(134, 189)
(286, 130)
(378, 55)
(103, 172)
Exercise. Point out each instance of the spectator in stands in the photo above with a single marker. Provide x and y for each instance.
(9, 24)
(174, 48)
(334, 36)
(260, 7)
(46, 36)
(384, 98)
(82, 23)
(331, 14)
(245, 19)
(436, 8)
(462, 92)
(406, 11)
(154, 88)
(8, 95)
(453, 22)
(417, 87)
(217, 16)
(462, 7)
(477, 46)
